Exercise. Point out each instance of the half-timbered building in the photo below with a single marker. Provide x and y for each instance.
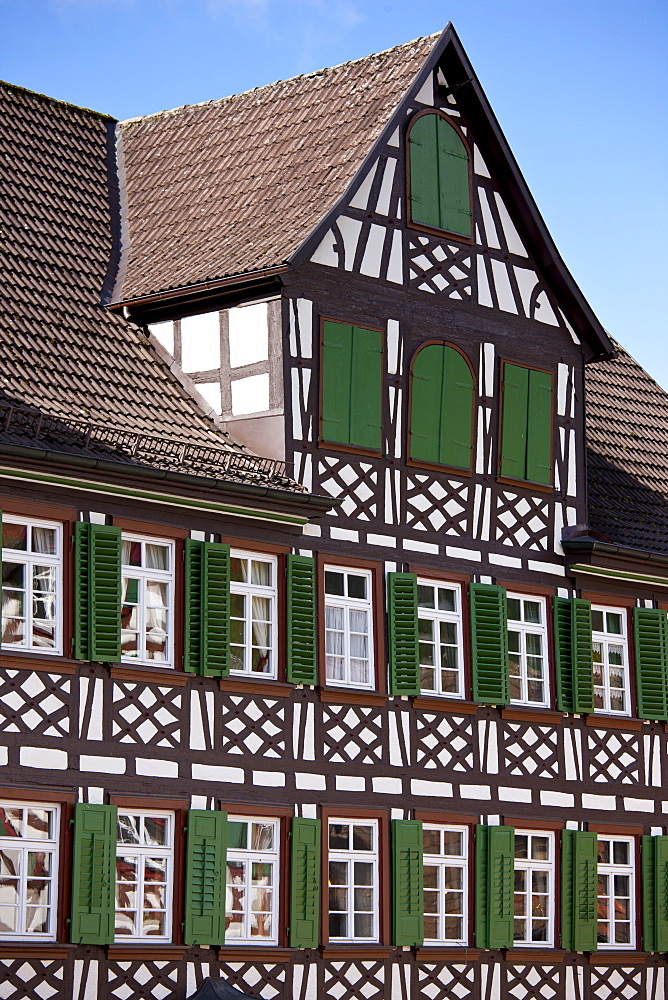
(335, 561)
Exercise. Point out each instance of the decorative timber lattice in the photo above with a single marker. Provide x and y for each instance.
(617, 983)
(357, 480)
(533, 982)
(35, 703)
(614, 756)
(23, 979)
(531, 751)
(253, 726)
(437, 505)
(353, 980)
(147, 714)
(354, 734)
(522, 521)
(446, 982)
(444, 741)
(145, 980)
(439, 267)
(266, 981)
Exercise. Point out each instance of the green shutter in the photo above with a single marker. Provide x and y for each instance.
(514, 421)
(579, 880)
(489, 644)
(206, 854)
(426, 404)
(305, 883)
(337, 352)
(453, 180)
(402, 627)
(302, 659)
(97, 592)
(456, 427)
(352, 382)
(655, 893)
(539, 428)
(441, 407)
(424, 176)
(407, 883)
(494, 875)
(563, 652)
(650, 628)
(582, 658)
(207, 608)
(93, 874)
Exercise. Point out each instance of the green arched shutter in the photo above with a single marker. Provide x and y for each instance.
(441, 427)
(439, 176)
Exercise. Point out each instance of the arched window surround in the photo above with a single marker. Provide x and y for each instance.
(459, 237)
(437, 466)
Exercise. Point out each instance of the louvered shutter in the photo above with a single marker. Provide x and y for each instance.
(489, 644)
(407, 883)
(402, 626)
(302, 663)
(207, 608)
(366, 382)
(650, 628)
(97, 592)
(514, 420)
(93, 878)
(337, 353)
(539, 428)
(305, 883)
(453, 180)
(563, 652)
(655, 893)
(495, 866)
(206, 854)
(424, 174)
(192, 644)
(579, 878)
(582, 657)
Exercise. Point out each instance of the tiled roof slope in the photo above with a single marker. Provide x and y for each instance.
(61, 352)
(235, 185)
(627, 432)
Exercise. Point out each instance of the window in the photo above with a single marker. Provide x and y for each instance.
(353, 880)
(251, 910)
(439, 175)
(144, 879)
(352, 378)
(534, 888)
(441, 428)
(31, 585)
(616, 875)
(348, 624)
(28, 870)
(527, 650)
(611, 670)
(440, 636)
(252, 614)
(445, 884)
(147, 577)
(526, 425)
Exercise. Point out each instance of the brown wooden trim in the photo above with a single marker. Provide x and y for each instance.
(529, 823)
(155, 952)
(150, 675)
(527, 588)
(252, 545)
(623, 722)
(46, 664)
(43, 511)
(436, 703)
(350, 449)
(526, 484)
(608, 830)
(150, 528)
(35, 950)
(434, 467)
(608, 600)
(53, 796)
(442, 575)
(444, 818)
(255, 953)
(346, 696)
(267, 689)
(271, 811)
(620, 957)
(146, 801)
(547, 956)
(340, 952)
(544, 716)
(429, 953)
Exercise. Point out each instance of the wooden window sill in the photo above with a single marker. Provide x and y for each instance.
(245, 953)
(34, 949)
(620, 957)
(614, 722)
(525, 484)
(33, 661)
(166, 676)
(131, 952)
(430, 952)
(541, 715)
(451, 705)
(453, 237)
(344, 696)
(547, 955)
(269, 689)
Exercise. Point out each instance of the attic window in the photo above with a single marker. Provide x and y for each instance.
(439, 189)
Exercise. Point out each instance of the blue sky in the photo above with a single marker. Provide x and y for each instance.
(580, 88)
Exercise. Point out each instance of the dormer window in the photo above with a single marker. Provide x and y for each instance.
(439, 190)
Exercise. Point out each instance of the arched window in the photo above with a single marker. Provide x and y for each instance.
(441, 425)
(438, 161)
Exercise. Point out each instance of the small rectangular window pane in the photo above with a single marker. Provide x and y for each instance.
(514, 609)
(357, 586)
(597, 620)
(362, 838)
(334, 583)
(14, 536)
(338, 836)
(425, 596)
(237, 835)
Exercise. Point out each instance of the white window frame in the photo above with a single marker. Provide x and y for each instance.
(531, 628)
(248, 856)
(443, 861)
(250, 590)
(27, 845)
(349, 857)
(530, 865)
(351, 604)
(147, 851)
(29, 559)
(435, 616)
(610, 869)
(607, 639)
(143, 573)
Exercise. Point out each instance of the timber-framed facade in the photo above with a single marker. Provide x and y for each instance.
(383, 712)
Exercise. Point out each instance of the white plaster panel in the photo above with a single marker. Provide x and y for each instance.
(393, 347)
(109, 765)
(43, 758)
(373, 251)
(488, 221)
(414, 546)
(455, 552)
(270, 779)
(385, 194)
(484, 294)
(326, 253)
(526, 282)
(157, 768)
(426, 92)
(439, 789)
(216, 772)
(350, 233)
(482, 792)
(350, 783)
(513, 240)
(312, 782)
(386, 540)
(387, 786)
(361, 197)
(515, 794)
(479, 165)
(562, 800)
(305, 316)
(605, 802)
(504, 292)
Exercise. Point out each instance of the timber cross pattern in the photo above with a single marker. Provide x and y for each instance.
(531, 751)
(147, 714)
(36, 703)
(354, 734)
(444, 741)
(356, 482)
(253, 726)
(437, 504)
(436, 266)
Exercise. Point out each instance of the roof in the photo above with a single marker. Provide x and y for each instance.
(627, 434)
(65, 356)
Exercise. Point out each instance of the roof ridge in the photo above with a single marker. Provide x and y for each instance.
(266, 86)
(55, 100)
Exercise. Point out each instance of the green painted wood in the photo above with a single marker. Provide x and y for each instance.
(337, 353)
(441, 408)
(648, 881)
(402, 627)
(97, 592)
(82, 586)
(424, 173)
(514, 419)
(407, 884)
(563, 652)
(453, 180)
(539, 428)
(661, 892)
(489, 644)
(494, 873)
(585, 881)
(582, 657)
(206, 858)
(650, 631)
(93, 874)
(216, 609)
(302, 640)
(193, 626)
(366, 382)
(481, 886)
(567, 889)
(305, 883)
